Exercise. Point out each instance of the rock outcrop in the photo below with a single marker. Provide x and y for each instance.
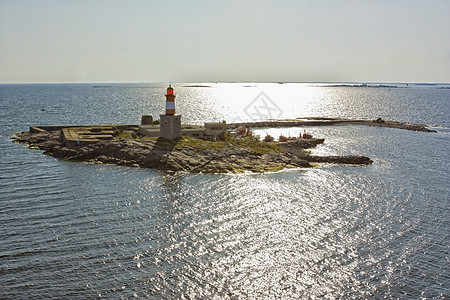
(188, 154)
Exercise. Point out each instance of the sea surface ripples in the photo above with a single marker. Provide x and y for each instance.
(77, 231)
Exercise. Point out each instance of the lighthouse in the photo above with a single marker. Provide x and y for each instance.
(170, 101)
(170, 123)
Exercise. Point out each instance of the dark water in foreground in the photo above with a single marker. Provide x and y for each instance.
(73, 230)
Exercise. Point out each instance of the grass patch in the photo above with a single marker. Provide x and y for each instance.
(187, 141)
(254, 145)
(131, 135)
(274, 169)
(123, 135)
(258, 147)
(148, 138)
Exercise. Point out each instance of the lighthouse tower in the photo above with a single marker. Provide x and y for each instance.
(170, 101)
(170, 126)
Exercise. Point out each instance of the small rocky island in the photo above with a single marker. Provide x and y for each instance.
(167, 144)
(124, 145)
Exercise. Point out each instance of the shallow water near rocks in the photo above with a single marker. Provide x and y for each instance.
(75, 230)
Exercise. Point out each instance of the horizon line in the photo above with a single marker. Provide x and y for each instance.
(215, 82)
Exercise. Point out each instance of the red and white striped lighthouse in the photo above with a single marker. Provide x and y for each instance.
(170, 101)
(170, 123)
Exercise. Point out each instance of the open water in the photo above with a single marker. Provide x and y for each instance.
(80, 231)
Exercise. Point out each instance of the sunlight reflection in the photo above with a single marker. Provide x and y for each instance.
(273, 245)
(233, 101)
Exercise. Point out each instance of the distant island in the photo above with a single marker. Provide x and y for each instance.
(197, 85)
(123, 145)
(362, 85)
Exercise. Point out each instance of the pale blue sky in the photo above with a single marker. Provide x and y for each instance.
(303, 40)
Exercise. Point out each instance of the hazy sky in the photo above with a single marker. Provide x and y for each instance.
(303, 40)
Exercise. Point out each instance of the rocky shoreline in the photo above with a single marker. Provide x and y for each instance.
(186, 154)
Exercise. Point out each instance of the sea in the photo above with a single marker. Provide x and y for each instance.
(71, 230)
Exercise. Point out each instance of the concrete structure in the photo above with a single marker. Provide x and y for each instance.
(170, 123)
(81, 136)
(146, 120)
(214, 129)
(196, 131)
(149, 130)
(170, 126)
